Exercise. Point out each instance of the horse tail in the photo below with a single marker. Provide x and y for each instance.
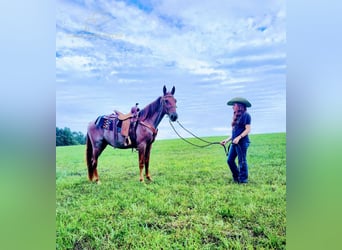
(89, 155)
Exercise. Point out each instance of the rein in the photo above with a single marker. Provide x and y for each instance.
(208, 143)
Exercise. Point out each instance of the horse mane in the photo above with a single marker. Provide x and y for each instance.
(150, 109)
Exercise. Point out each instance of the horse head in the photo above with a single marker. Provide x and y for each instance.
(169, 103)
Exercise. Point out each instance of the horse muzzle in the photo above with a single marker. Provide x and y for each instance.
(173, 116)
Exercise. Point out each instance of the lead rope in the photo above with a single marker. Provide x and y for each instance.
(193, 144)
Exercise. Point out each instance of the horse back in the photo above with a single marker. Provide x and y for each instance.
(108, 128)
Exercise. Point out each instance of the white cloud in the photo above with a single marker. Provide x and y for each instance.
(223, 46)
(206, 32)
(236, 80)
(71, 41)
(75, 63)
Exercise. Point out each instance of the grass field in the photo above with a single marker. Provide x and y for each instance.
(192, 202)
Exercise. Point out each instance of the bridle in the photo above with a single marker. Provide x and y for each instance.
(164, 103)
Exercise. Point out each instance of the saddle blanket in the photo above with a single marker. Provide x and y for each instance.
(104, 123)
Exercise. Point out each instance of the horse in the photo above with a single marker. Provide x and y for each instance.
(143, 132)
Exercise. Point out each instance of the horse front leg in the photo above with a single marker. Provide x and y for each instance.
(141, 163)
(147, 162)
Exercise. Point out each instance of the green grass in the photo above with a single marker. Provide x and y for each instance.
(192, 202)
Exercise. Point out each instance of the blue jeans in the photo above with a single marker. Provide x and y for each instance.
(238, 150)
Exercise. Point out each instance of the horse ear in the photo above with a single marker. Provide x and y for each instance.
(173, 90)
(164, 90)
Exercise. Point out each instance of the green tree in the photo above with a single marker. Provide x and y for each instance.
(65, 137)
(79, 137)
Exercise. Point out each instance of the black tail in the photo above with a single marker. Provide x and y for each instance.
(89, 156)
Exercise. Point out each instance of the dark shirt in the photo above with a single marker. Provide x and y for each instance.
(244, 120)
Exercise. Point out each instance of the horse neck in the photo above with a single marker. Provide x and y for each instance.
(154, 116)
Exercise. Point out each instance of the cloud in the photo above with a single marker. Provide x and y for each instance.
(192, 47)
(221, 47)
(71, 41)
(205, 33)
(75, 63)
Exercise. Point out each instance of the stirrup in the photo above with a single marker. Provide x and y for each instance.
(127, 141)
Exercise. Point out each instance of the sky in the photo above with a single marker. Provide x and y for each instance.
(113, 54)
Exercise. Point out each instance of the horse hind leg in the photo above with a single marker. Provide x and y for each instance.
(93, 154)
(89, 158)
(95, 176)
(92, 168)
(96, 154)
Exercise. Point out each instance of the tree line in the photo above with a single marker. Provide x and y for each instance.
(65, 137)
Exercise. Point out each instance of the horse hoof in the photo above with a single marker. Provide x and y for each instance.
(98, 182)
(149, 178)
(141, 180)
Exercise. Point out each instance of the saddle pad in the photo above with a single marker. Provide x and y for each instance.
(104, 123)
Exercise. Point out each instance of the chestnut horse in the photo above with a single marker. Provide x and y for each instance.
(143, 133)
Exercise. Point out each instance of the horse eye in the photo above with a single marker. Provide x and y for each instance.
(166, 101)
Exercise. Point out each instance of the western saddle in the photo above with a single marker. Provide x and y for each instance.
(126, 120)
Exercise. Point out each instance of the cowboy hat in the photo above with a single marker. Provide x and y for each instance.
(239, 100)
